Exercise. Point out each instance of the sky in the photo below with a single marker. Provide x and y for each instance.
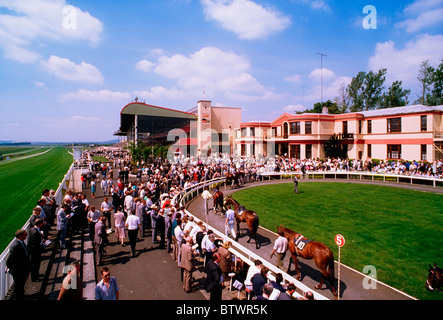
(68, 67)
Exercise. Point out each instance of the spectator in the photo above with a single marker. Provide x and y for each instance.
(107, 288)
(259, 280)
(35, 247)
(62, 223)
(132, 224)
(72, 285)
(18, 264)
(106, 208)
(187, 263)
(287, 295)
(119, 226)
(93, 217)
(100, 239)
(214, 278)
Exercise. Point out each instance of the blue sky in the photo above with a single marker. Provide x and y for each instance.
(68, 67)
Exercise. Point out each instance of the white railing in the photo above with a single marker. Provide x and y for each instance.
(240, 251)
(6, 280)
(355, 175)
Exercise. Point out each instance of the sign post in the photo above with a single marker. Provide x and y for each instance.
(340, 241)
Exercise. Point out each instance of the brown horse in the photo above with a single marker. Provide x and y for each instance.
(319, 252)
(233, 179)
(435, 279)
(243, 215)
(218, 201)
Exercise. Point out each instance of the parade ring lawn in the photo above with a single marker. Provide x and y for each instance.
(22, 182)
(399, 231)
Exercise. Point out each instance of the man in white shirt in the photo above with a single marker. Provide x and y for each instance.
(280, 248)
(251, 272)
(106, 207)
(132, 224)
(229, 223)
(128, 203)
(206, 195)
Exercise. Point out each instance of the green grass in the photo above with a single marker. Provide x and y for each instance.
(22, 183)
(399, 231)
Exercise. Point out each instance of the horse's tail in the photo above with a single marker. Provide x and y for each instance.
(331, 269)
(255, 224)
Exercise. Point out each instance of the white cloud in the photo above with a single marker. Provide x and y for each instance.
(422, 14)
(144, 65)
(296, 78)
(39, 84)
(404, 64)
(247, 19)
(294, 108)
(68, 70)
(317, 74)
(101, 95)
(219, 72)
(28, 22)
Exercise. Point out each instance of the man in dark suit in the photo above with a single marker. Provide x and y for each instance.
(288, 294)
(101, 239)
(35, 248)
(214, 277)
(18, 264)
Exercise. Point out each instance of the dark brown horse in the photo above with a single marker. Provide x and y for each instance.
(244, 215)
(233, 179)
(435, 279)
(218, 201)
(319, 252)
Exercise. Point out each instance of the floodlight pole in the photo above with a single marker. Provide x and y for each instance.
(321, 59)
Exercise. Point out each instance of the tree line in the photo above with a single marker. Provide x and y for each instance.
(367, 91)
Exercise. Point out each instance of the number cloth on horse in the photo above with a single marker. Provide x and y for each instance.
(301, 242)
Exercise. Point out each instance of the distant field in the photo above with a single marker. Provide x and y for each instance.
(22, 182)
(399, 231)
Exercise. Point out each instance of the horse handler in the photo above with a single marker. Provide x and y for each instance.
(295, 180)
(280, 248)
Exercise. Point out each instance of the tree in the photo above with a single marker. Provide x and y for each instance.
(318, 107)
(373, 89)
(343, 99)
(355, 92)
(435, 97)
(424, 77)
(395, 96)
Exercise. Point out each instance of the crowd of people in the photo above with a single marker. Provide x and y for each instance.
(150, 203)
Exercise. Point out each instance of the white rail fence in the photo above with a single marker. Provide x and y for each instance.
(242, 252)
(6, 280)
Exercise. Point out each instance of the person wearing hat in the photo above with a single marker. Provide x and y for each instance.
(225, 258)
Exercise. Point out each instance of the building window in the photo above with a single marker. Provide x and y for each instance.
(274, 131)
(394, 125)
(295, 151)
(252, 132)
(308, 152)
(243, 132)
(295, 127)
(308, 127)
(423, 153)
(369, 150)
(344, 127)
(423, 123)
(359, 126)
(369, 126)
(243, 149)
(394, 151)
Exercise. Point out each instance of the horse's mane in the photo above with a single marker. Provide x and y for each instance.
(288, 231)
